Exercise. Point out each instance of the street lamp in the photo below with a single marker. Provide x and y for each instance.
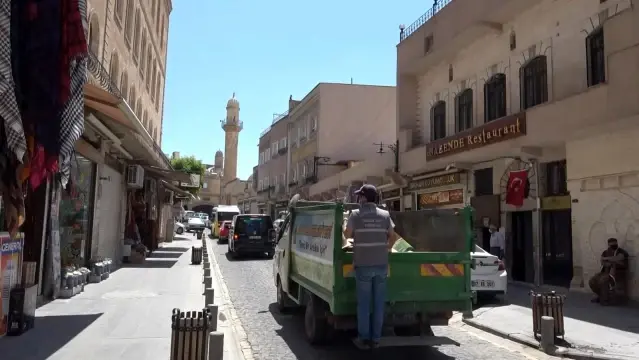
(392, 147)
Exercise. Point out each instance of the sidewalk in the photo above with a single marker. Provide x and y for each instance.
(592, 331)
(126, 317)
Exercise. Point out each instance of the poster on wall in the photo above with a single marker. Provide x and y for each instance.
(10, 272)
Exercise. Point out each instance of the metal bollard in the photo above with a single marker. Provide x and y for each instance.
(207, 272)
(208, 282)
(547, 334)
(209, 295)
(216, 345)
(214, 312)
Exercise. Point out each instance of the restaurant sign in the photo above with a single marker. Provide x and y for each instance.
(435, 181)
(506, 128)
(441, 198)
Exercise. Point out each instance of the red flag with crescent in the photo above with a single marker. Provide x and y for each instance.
(516, 189)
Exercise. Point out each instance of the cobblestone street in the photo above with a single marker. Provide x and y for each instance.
(275, 336)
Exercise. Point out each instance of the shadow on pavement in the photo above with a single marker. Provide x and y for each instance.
(182, 238)
(162, 254)
(151, 263)
(173, 249)
(48, 336)
(579, 307)
(340, 346)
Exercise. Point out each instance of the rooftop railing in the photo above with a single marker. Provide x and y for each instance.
(406, 32)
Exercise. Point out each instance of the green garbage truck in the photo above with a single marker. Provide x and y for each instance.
(313, 269)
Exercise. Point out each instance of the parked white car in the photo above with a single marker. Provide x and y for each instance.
(179, 228)
(489, 278)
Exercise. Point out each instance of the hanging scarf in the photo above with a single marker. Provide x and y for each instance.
(9, 110)
(75, 49)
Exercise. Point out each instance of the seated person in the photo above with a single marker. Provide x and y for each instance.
(609, 285)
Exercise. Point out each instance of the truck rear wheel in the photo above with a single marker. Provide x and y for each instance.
(315, 322)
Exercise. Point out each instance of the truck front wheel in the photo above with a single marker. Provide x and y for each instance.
(283, 303)
(315, 322)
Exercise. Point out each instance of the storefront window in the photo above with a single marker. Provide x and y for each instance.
(76, 213)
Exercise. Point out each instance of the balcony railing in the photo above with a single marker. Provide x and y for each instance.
(100, 76)
(232, 122)
(278, 117)
(437, 5)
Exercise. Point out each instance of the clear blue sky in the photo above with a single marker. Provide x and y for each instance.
(265, 51)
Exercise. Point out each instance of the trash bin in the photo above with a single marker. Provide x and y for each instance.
(199, 235)
(548, 304)
(196, 255)
(189, 334)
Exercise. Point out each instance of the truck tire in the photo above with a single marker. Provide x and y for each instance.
(315, 322)
(283, 302)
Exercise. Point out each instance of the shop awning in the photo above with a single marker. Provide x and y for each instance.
(177, 189)
(169, 175)
(116, 115)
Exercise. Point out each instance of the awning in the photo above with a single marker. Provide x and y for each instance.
(118, 117)
(166, 174)
(177, 189)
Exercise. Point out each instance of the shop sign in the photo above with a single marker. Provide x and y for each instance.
(556, 203)
(433, 182)
(506, 128)
(440, 198)
(390, 194)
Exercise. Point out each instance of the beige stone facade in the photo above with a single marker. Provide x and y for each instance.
(130, 39)
(551, 87)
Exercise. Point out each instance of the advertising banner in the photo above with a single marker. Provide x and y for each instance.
(10, 271)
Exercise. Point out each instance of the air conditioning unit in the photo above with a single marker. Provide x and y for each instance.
(135, 176)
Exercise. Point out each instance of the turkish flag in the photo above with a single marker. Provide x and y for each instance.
(516, 190)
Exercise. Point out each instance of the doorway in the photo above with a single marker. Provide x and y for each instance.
(393, 205)
(522, 267)
(557, 247)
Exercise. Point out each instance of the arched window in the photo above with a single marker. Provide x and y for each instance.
(158, 99)
(534, 82)
(132, 98)
(596, 57)
(438, 121)
(119, 9)
(464, 110)
(153, 84)
(149, 68)
(162, 31)
(157, 20)
(114, 68)
(128, 26)
(143, 54)
(94, 35)
(495, 97)
(138, 30)
(124, 83)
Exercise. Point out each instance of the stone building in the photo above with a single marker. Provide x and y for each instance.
(539, 91)
(130, 39)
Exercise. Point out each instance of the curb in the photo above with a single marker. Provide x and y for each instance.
(559, 351)
(236, 324)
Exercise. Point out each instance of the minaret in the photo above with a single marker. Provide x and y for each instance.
(232, 127)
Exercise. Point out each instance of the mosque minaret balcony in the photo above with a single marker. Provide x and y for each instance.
(232, 124)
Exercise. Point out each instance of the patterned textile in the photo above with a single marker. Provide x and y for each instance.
(9, 110)
(72, 116)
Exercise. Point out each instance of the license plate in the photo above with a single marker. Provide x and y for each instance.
(255, 237)
(483, 283)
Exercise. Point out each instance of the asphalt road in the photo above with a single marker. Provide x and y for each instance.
(275, 336)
